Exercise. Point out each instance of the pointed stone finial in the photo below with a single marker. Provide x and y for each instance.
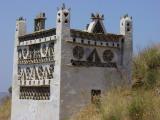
(20, 18)
(102, 16)
(57, 8)
(126, 15)
(69, 9)
(97, 16)
(63, 6)
(92, 15)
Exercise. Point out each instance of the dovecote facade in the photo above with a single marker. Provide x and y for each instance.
(58, 71)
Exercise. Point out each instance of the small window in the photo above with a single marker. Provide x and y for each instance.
(24, 82)
(122, 24)
(43, 82)
(74, 39)
(106, 44)
(88, 42)
(65, 14)
(29, 82)
(95, 96)
(118, 45)
(122, 40)
(101, 43)
(128, 24)
(82, 41)
(66, 21)
(59, 20)
(95, 43)
(38, 82)
(113, 44)
(128, 29)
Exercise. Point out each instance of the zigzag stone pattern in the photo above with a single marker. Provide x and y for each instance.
(35, 69)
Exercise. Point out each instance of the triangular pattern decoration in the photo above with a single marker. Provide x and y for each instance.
(24, 75)
(94, 57)
(98, 28)
(46, 73)
(36, 74)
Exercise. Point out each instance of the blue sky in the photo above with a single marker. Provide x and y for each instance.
(145, 14)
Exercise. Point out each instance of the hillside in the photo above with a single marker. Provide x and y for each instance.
(5, 109)
(124, 104)
(2, 95)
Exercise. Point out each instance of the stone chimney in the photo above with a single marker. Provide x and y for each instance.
(39, 22)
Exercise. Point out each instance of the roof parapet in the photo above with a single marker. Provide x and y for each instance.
(97, 16)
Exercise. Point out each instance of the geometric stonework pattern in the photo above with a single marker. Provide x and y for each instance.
(108, 55)
(35, 70)
(98, 28)
(78, 52)
(93, 59)
(38, 53)
(35, 93)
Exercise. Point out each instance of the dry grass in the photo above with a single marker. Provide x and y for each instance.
(5, 109)
(124, 104)
(142, 103)
(90, 112)
(146, 66)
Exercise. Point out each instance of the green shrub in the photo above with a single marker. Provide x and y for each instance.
(113, 118)
(151, 78)
(146, 66)
(136, 108)
(124, 104)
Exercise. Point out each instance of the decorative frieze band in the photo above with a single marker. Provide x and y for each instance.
(93, 64)
(36, 60)
(35, 93)
(38, 53)
(101, 43)
(37, 41)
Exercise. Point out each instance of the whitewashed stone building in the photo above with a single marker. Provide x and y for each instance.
(58, 71)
